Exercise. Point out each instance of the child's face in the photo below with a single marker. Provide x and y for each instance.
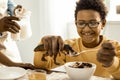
(91, 31)
(3, 6)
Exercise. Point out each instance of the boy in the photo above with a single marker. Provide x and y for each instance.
(90, 19)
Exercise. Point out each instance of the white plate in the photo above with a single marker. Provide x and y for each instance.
(7, 73)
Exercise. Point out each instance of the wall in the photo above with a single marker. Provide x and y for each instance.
(112, 30)
(26, 47)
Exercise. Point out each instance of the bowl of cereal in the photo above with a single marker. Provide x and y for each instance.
(80, 70)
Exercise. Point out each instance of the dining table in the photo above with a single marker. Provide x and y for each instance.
(59, 73)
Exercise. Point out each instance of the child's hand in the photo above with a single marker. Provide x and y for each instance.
(53, 45)
(106, 54)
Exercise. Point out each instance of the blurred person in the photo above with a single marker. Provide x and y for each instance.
(14, 26)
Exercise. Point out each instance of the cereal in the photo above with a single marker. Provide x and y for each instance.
(81, 65)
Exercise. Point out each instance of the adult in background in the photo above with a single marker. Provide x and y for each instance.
(14, 26)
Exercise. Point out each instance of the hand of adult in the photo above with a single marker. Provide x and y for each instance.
(9, 24)
(25, 65)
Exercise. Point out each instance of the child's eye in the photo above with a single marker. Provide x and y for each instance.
(81, 23)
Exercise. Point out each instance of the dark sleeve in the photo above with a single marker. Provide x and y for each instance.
(10, 7)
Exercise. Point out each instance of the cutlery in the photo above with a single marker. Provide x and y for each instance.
(48, 71)
(78, 53)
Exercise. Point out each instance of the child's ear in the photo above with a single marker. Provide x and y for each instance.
(103, 23)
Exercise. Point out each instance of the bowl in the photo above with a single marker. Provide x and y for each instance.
(84, 71)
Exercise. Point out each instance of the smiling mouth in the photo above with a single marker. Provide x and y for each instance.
(88, 37)
(87, 34)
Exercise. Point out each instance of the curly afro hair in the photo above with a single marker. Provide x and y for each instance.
(96, 5)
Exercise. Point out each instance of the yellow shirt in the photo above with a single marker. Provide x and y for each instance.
(89, 56)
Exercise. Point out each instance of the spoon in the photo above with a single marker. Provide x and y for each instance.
(73, 54)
